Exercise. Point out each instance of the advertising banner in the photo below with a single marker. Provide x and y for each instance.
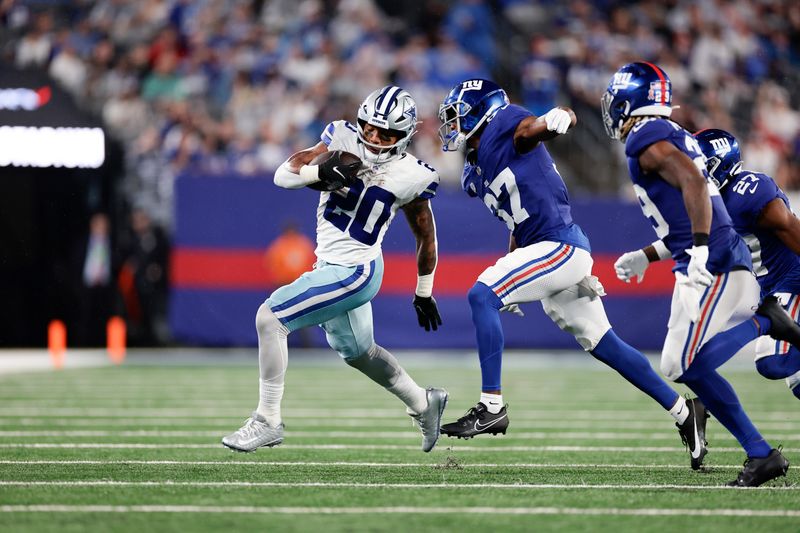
(220, 275)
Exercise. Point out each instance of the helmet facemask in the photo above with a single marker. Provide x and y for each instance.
(718, 172)
(614, 114)
(454, 130)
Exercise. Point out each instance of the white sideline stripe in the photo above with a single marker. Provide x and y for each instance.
(223, 423)
(343, 485)
(362, 413)
(360, 464)
(368, 435)
(444, 446)
(599, 511)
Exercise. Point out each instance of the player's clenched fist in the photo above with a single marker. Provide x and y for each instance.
(557, 120)
(631, 264)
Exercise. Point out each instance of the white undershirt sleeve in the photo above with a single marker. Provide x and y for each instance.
(289, 180)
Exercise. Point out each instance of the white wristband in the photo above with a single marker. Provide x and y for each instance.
(661, 249)
(424, 285)
(310, 173)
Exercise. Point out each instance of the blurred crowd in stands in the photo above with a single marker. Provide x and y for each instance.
(236, 86)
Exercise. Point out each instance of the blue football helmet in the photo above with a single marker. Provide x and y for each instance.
(723, 158)
(468, 106)
(636, 90)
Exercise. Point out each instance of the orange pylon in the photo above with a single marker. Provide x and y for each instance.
(115, 338)
(57, 342)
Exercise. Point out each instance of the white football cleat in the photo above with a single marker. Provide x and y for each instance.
(430, 420)
(255, 433)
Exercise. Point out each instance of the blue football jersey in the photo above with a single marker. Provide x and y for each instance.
(775, 265)
(523, 190)
(663, 204)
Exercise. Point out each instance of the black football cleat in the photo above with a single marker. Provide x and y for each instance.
(783, 328)
(476, 421)
(693, 431)
(759, 470)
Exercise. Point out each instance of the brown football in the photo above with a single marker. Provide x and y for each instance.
(345, 157)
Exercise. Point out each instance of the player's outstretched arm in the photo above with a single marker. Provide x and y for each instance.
(533, 130)
(420, 219)
(782, 222)
(295, 172)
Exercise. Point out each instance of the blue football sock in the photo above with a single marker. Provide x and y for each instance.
(485, 306)
(720, 399)
(634, 367)
(722, 347)
(796, 391)
(779, 366)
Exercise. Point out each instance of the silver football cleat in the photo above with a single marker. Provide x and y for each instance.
(430, 420)
(255, 433)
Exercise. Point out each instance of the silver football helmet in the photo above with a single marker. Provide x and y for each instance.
(390, 108)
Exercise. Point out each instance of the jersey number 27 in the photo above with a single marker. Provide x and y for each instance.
(504, 197)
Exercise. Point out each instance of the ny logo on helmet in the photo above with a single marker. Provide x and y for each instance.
(472, 84)
(621, 80)
(721, 146)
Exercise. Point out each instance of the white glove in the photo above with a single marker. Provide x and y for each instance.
(557, 120)
(697, 271)
(689, 295)
(512, 308)
(631, 264)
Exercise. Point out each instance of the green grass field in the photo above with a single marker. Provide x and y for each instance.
(136, 448)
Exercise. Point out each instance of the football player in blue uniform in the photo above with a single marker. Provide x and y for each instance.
(761, 214)
(508, 167)
(711, 316)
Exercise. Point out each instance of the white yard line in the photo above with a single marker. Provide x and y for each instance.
(289, 412)
(223, 423)
(446, 446)
(368, 435)
(597, 511)
(349, 485)
(363, 464)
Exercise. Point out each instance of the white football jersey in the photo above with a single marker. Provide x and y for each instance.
(351, 222)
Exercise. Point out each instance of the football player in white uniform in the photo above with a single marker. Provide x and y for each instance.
(357, 203)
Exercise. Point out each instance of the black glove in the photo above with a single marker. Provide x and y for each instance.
(427, 313)
(335, 174)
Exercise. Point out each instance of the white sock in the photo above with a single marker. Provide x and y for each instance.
(269, 401)
(679, 411)
(411, 394)
(493, 402)
(793, 380)
(273, 358)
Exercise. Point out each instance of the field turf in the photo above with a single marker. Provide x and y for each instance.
(136, 448)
